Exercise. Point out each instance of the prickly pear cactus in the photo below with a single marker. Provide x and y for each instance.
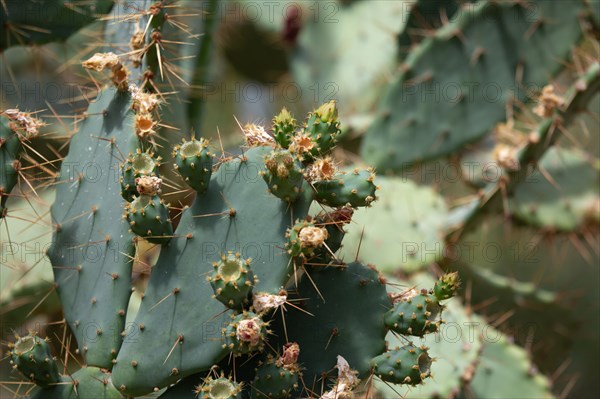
(30, 21)
(463, 64)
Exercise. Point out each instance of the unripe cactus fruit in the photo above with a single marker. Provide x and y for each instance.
(414, 313)
(32, 356)
(232, 280)
(194, 161)
(323, 127)
(304, 237)
(284, 127)
(273, 381)
(355, 188)
(406, 365)
(219, 388)
(278, 378)
(283, 175)
(245, 334)
(334, 223)
(136, 166)
(446, 286)
(148, 217)
(10, 146)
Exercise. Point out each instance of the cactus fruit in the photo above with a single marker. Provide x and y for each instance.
(10, 146)
(283, 175)
(148, 217)
(194, 161)
(219, 388)
(303, 238)
(414, 313)
(284, 128)
(408, 365)
(16, 127)
(278, 378)
(245, 334)
(355, 188)
(135, 166)
(32, 356)
(232, 280)
(333, 222)
(323, 128)
(446, 286)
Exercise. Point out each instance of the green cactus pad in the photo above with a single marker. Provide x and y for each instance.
(274, 382)
(564, 203)
(178, 301)
(425, 15)
(347, 292)
(88, 382)
(194, 161)
(92, 248)
(33, 358)
(32, 22)
(403, 230)
(408, 365)
(506, 370)
(284, 128)
(136, 165)
(283, 175)
(232, 280)
(148, 217)
(354, 187)
(414, 313)
(10, 146)
(246, 333)
(461, 75)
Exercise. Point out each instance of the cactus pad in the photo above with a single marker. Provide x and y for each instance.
(347, 291)
(92, 248)
(178, 308)
(470, 47)
(564, 203)
(403, 230)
